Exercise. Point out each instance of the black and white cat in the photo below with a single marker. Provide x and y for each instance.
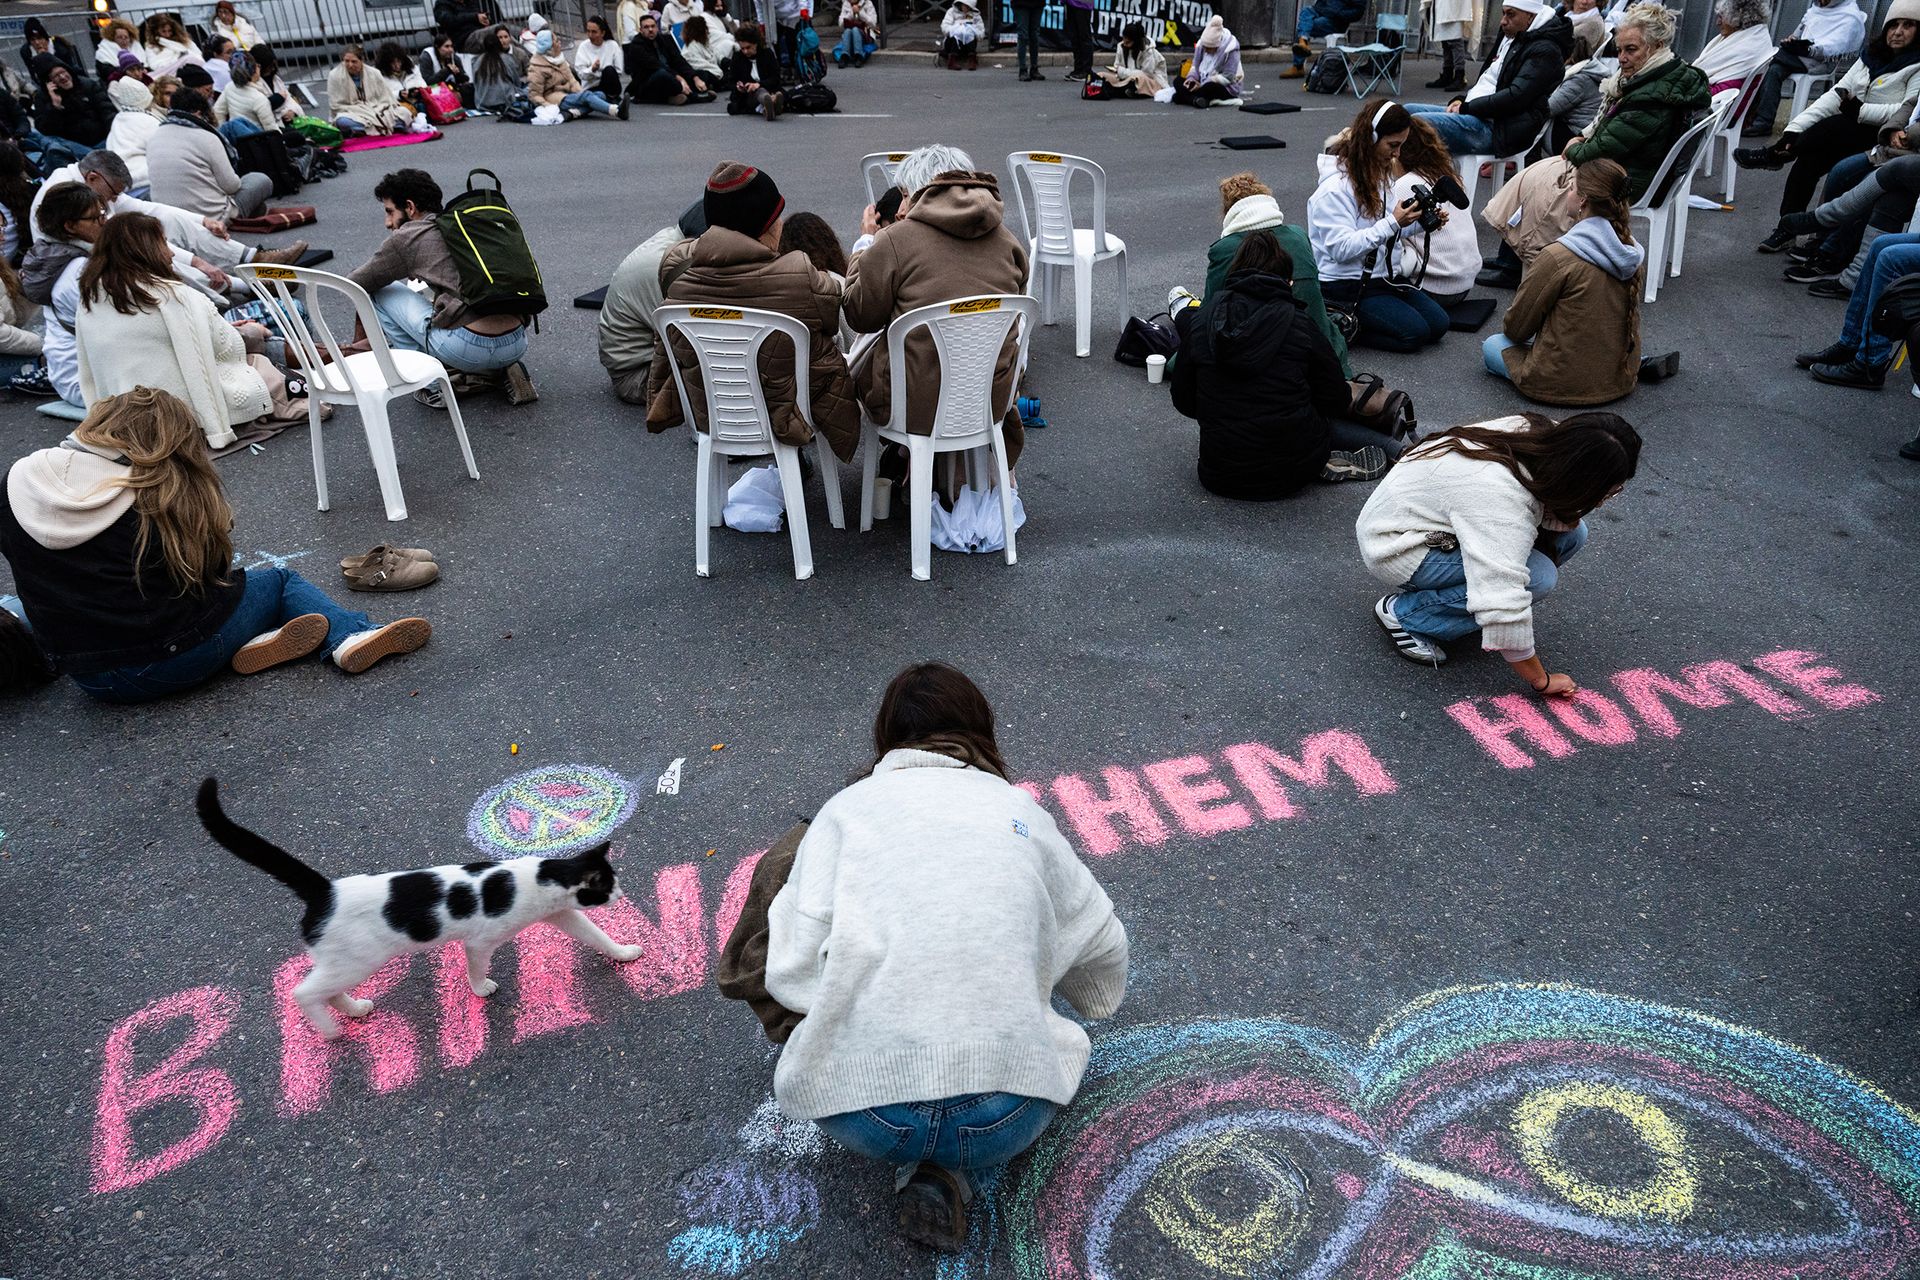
(355, 924)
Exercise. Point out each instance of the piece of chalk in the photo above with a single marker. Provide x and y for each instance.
(718, 745)
(514, 749)
(711, 852)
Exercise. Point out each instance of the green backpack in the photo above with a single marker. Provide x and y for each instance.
(498, 276)
(317, 131)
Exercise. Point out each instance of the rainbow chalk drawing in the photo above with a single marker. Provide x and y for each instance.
(743, 1209)
(558, 808)
(1520, 1132)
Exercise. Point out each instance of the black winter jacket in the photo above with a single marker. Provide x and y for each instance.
(1262, 381)
(84, 115)
(762, 68)
(642, 57)
(459, 19)
(1533, 68)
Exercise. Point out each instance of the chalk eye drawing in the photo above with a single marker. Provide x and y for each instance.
(1525, 1132)
(558, 808)
(744, 1208)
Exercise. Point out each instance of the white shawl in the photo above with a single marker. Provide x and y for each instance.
(182, 346)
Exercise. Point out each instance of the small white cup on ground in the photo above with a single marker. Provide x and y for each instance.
(1156, 368)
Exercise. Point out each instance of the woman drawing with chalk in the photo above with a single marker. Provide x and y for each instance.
(1474, 524)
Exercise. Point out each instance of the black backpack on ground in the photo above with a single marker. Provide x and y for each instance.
(267, 153)
(498, 276)
(810, 100)
(1329, 75)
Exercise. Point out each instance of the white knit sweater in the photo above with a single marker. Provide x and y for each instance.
(931, 912)
(1482, 505)
(182, 346)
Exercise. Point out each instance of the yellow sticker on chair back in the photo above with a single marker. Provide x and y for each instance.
(716, 313)
(1043, 157)
(895, 157)
(275, 273)
(974, 306)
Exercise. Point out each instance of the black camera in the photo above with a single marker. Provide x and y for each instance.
(1429, 206)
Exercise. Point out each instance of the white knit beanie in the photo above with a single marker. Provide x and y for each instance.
(1216, 31)
(1908, 9)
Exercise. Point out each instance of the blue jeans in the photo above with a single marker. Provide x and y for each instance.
(1889, 258)
(273, 597)
(349, 126)
(1464, 135)
(1490, 352)
(854, 44)
(1324, 19)
(406, 317)
(1433, 603)
(238, 128)
(51, 152)
(586, 100)
(966, 1133)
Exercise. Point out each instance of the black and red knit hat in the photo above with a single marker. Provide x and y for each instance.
(741, 198)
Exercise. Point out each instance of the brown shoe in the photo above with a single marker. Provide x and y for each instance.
(285, 256)
(932, 1209)
(295, 638)
(393, 573)
(774, 102)
(520, 383)
(1294, 73)
(353, 563)
(358, 652)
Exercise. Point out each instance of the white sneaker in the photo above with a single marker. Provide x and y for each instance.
(1180, 296)
(364, 648)
(1412, 647)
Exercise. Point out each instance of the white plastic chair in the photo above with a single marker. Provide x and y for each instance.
(967, 334)
(1805, 84)
(727, 341)
(878, 171)
(1727, 137)
(1055, 244)
(1664, 204)
(367, 380)
(1470, 165)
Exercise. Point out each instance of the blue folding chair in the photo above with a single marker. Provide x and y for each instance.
(1375, 61)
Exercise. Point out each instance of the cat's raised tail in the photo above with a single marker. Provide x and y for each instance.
(255, 850)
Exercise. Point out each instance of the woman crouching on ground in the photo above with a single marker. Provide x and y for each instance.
(1474, 523)
(932, 910)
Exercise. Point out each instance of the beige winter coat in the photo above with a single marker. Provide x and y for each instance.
(1584, 326)
(550, 78)
(950, 243)
(726, 269)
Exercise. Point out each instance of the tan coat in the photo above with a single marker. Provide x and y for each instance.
(728, 269)
(951, 243)
(1584, 326)
(549, 79)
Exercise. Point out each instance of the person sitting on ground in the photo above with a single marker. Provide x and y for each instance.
(1828, 30)
(120, 541)
(393, 61)
(166, 46)
(536, 23)
(1572, 335)
(551, 82)
(139, 326)
(1139, 69)
(460, 21)
(18, 189)
(737, 262)
(439, 63)
(1865, 197)
(1742, 44)
(706, 46)
(810, 234)
(950, 241)
(1877, 91)
(213, 56)
(19, 318)
(1474, 523)
(228, 22)
(361, 100)
(1265, 386)
(72, 110)
(68, 222)
(192, 166)
(627, 337)
(163, 88)
(267, 63)
(501, 70)
(437, 321)
(1861, 357)
(245, 107)
(932, 911)
(1442, 262)
(597, 60)
(1353, 225)
(134, 124)
(119, 36)
(1216, 75)
(858, 21)
(1317, 20)
(961, 31)
(36, 42)
(658, 73)
(1507, 106)
(753, 74)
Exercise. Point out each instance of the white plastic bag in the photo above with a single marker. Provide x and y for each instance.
(754, 503)
(1165, 95)
(547, 113)
(974, 523)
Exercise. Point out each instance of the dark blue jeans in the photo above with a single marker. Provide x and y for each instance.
(1891, 257)
(967, 1133)
(1026, 32)
(273, 597)
(1391, 319)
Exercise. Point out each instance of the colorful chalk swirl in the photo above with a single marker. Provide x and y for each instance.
(1507, 1132)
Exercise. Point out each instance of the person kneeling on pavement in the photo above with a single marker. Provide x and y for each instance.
(437, 322)
(1266, 386)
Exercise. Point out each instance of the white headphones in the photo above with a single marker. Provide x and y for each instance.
(1378, 115)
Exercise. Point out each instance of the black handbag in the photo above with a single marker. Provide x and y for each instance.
(1143, 338)
(1899, 309)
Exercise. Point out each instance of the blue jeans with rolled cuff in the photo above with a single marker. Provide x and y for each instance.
(966, 1133)
(1433, 603)
(587, 100)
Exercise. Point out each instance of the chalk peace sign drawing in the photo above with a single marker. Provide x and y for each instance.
(551, 810)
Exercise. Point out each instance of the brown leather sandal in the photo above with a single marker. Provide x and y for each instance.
(393, 572)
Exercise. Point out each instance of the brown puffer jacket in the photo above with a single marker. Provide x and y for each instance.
(951, 242)
(550, 78)
(1583, 327)
(726, 269)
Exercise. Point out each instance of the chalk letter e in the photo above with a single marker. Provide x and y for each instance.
(209, 1091)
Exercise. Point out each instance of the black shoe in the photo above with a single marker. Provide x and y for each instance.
(1659, 368)
(1759, 158)
(1854, 373)
(1911, 449)
(1830, 289)
(932, 1209)
(32, 380)
(1440, 83)
(1024, 77)
(1035, 74)
(1776, 241)
(625, 108)
(1818, 267)
(1459, 82)
(1838, 353)
(1804, 250)
(1803, 223)
(1498, 278)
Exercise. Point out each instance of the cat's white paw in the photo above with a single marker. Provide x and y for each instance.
(485, 987)
(355, 1008)
(624, 954)
(331, 1032)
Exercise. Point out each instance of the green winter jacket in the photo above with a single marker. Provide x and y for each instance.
(1637, 131)
(1306, 278)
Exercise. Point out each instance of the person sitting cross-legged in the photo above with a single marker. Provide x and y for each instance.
(551, 82)
(752, 73)
(658, 73)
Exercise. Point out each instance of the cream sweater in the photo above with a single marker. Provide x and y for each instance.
(246, 102)
(182, 346)
(1482, 505)
(932, 911)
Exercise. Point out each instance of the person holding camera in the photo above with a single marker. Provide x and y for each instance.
(1829, 29)
(1440, 254)
(1353, 225)
(1847, 118)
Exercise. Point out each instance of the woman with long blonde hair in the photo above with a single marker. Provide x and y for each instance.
(120, 541)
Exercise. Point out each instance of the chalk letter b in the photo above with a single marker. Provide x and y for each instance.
(208, 1091)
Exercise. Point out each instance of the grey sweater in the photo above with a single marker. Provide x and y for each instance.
(932, 911)
(190, 169)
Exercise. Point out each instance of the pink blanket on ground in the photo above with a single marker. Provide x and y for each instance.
(369, 142)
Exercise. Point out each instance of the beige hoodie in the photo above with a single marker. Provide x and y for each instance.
(65, 495)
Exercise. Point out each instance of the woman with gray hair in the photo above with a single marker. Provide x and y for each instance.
(1742, 46)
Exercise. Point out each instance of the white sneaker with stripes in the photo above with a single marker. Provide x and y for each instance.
(1412, 647)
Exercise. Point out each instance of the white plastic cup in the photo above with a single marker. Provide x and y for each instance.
(1156, 368)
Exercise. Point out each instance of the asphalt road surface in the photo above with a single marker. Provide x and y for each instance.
(1424, 984)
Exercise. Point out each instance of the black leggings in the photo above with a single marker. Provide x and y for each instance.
(1208, 92)
(1818, 150)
